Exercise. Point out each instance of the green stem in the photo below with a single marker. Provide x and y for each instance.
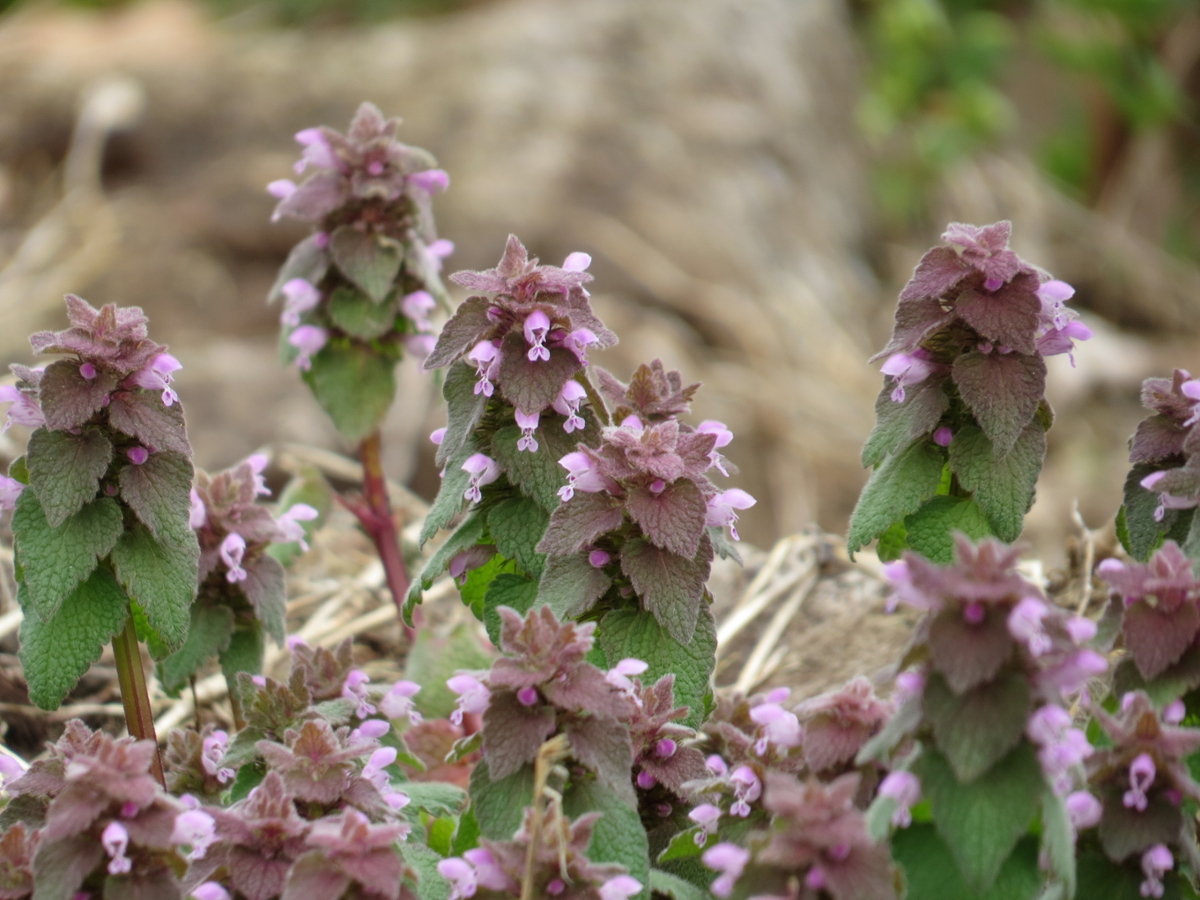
(378, 521)
(139, 715)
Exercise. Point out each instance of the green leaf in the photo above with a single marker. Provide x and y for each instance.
(467, 836)
(432, 659)
(159, 491)
(898, 487)
(449, 500)
(65, 469)
(892, 543)
(675, 887)
(438, 798)
(500, 805)
(627, 634)
(265, 587)
(354, 385)
(516, 526)
(512, 590)
(245, 653)
(1003, 486)
(161, 577)
(618, 835)
(571, 585)
(360, 316)
(365, 259)
(464, 409)
(932, 875)
(896, 424)
(931, 528)
(538, 474)
(1102, 879)
(54, 560)
(307, 486)
(249, 776)
(982, 821)
(467, 535)
(1003, 390)
(55, 652)
(1176, 681)
(1143, 532)
(1058, 839)
(475, 587)
(899, 726)
(977, 728)
(208, 635)
(423, 860)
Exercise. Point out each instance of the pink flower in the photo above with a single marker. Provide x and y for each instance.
(618, 675)
(24, 410)
(746, 789)
(370, 729)
(374, 772)
(721, 509)
(137, 455)
(483, 470)
(779, 727)
(907, 368)
(487, 871)
(1025, 624)
(212, 751)
(10, 490)
(156, 376)
(1080, 629)
(622, 887)
(578, 341)
(1174, 712)
(527, 422)
(1156, 862)
(10, 769)
(282, 188)
(115, 840)
(210, 890)
(437, 436)
(527, 696)
(728, 859)
(1165, 501)
(1083, 809)
(581, 475)
(599, 558)
(943, 437)
(417, 306)
(486, 357)
(1075, 671)
(397, 702)
(537, 327)
(308, 340)
(461, 877)
(197, 514)
(317, 152)
(707, 817)
(1141, 778)
(473, 696)
(355, 688)
(431, 181)
(905, 790)
(910, 683)
(724, 438)
(577, 262)
(567, 404)
(195, 828)
(716, 765)
(290, 529)
(233, 548)
(299, 297)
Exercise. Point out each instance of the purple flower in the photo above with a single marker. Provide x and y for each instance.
(721, 509)
(397, 702)
(431, 181)
(486, 357)
(1141, 778)
(318, 152)
(374, 772)
(537, 326)
(943, 437)
(581, 475)
(645, 780)
(24, 410)
(527, 422)
(1075, 671)
(212, 751)
(1062, 340)
(728, 859)
(1174, 712)
(233, 548)
(473, 696)
(1156, 862)
(137, 455)
(1061, 747)
(1083, 809)
(907, 369)
(707, 817)
(156, 376)
(578, 341)
(371, 729)
(10, 769)
(308, 340)
(210, 890)
(716, 765)
(779, 727)
(197, 514)
(483, 470)
(437, 436)
(281, 189)
(599, 558)
(355, 689)
(910, 683)
(10, 490)
(1165, 501)
(905, 790)
(1025, 624)
(567, 404)
(746, 789)
(299, 297)
(289, 528)
(115, 840)
(417, 306)
(1080, 629)
(461, 877)
(527, 696)
(618, 675)
(724, 438)
(622, 887)
(195, 828)
(87, 371)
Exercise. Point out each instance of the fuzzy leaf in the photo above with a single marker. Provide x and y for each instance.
(982, 821)
(1144, 533)
(1124, 832)
(672, 519)
(579, 522)
(159, 491)
(143, 415)
(1158, 437)
(354, 385)
(246, 652)
(161, 577)
(899, 726)
(422, 860)
(916, 320)
(602, 745)
(626, 634)
(1102, 879)
(977, 729)
(897, 424)
(532, 385)
(675, 887)
(307, 260)
(59, 867)
(516, 526)
(435, 797)
(538, 474)
(898, 487)
(360, 316)
(1007, 317)
(466, 328)
(618, 835)
(449, 500)
(65, 469)
(514, 591)
(55, 652)
(571, 585)
(54, 560)
(370, 263)
(513, 732)
(930, 530)
(670, 586)
(1058, 839)
(475, 586)
(434, 658)
(939, 270)
(464, 409)
(466, 535)
(1003, 390)
(68, 399)
(1003, 486)
(932, 875)
(969, 655)
(208, 635)
(1157, 639)
(499, 805)
(266, 589)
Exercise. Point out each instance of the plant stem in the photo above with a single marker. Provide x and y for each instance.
(139, 716)
(378, 522)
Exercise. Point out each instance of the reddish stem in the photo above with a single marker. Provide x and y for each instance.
(139, 716)
(376, 518)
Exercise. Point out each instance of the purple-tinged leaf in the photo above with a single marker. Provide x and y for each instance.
(897, 424)
(867, 873)
(266, 589)
(17, 846)
(1125, 831)
(59, 867)
(1157, 437)
(579, 522)
(317, 197)
(1003, 486)
(829, 742)
(571, 585)
(159, 491)
(512, 733)
(939, 270)
(65, 469)
(977, 729)
(307, 260)
(256, 876)
(669, 586)
(366, 260)
(1003, 391)
(142, 414)
(1008, 317)
(148, 882)
(467, 327)
(312, 877)
(532, 385)
(672, 519)
(1157, 639)
(602, 744)
(68, 399)
(969, 655)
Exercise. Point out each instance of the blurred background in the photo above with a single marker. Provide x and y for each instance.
(754, 180)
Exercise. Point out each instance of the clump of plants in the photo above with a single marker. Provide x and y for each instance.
(1023, 751)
